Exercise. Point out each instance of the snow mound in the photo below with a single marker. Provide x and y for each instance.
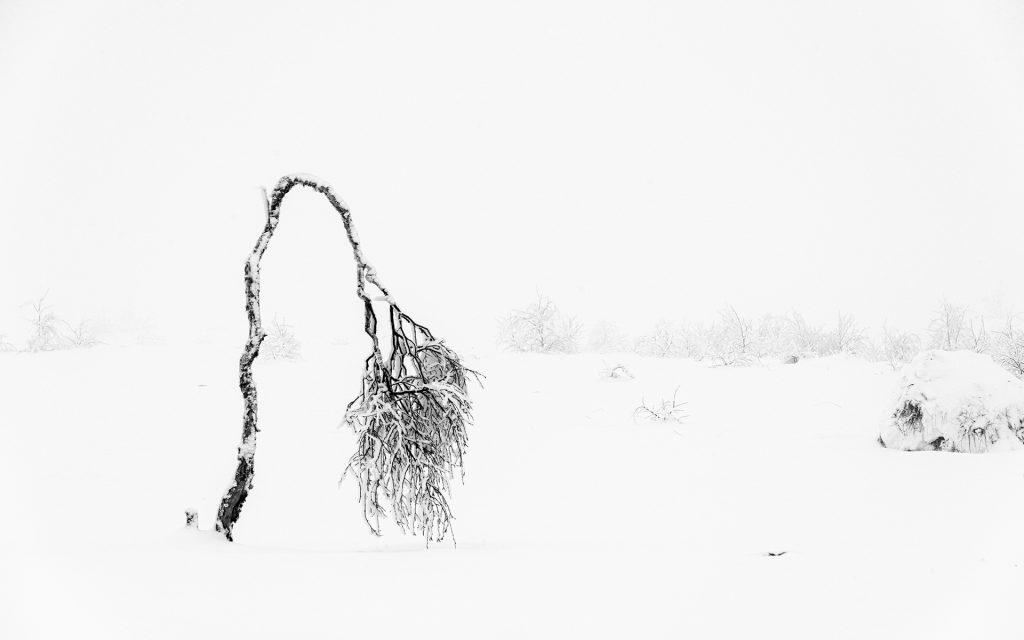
(956, 401)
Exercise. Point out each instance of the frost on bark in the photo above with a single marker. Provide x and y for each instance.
(410, 417)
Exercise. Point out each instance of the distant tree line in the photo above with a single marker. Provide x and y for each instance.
(736, 339)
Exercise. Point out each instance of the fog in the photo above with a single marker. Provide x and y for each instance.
(635, 161)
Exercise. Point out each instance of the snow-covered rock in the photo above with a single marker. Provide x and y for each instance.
(956, 401)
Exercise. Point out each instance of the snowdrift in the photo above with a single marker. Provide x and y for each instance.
(956, 401)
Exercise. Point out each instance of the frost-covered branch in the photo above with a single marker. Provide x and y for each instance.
(410, 417)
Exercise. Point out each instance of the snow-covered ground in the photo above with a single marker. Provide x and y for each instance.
(574, 521)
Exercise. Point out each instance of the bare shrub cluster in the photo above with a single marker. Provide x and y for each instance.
(1007, 348)
(897, 347)
(665, 410)
(49, 332)
(540, 328)
(606, 337)
(735, 339)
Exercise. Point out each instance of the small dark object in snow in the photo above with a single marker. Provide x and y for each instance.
(792, 360)
(775, 554)
(191, 519)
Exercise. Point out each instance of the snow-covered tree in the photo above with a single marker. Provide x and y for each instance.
(410, 417)
(606, 337)
(846, 337)
(732, 339)
(79, 335)
(1008, 347)
(947, 326)
(898, 347)
(45, 333)
(664, 340)
(540, 328)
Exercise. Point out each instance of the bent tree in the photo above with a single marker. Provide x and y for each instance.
(410, 417)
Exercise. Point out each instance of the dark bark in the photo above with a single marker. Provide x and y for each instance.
(233, 501)
(410, 417)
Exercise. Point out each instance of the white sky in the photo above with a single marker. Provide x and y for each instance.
(634, 160)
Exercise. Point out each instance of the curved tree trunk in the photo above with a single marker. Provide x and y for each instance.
(234, 499)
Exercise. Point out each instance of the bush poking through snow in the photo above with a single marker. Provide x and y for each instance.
(79, 336)
(605, 337)
(45, 335)
(617, 371)
(956, 401)
(664, 411)
(281, 343)
(1008, 348)
(540, 328)
(898, 347)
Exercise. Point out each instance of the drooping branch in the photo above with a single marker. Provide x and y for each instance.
(411, 414)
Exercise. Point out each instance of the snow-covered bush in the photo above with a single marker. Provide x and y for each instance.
(1007, 348)
(607, 338)
(952, 328)
(45, 334)
(955, 401)
(50, 332)
(771, 339)
(665, 340)
(616, 371)
(947, 325)
(897, 347)
(281, 343)
(79, 336)
(540, 328)
(846, 337)
(800, 338)
(732, 339)
(667, 410)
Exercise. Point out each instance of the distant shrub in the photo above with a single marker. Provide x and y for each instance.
(281, 343)
(1007, 348)
(50, 332)
(616, 371)
(952, 329)
(607, 338)
(732, 339)
(540, 328)
(898, 347)
(78, 336)
(846, 337)
(667, 410)
(665, 340)
(45, 335)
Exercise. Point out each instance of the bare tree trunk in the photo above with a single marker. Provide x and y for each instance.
(234, 499)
